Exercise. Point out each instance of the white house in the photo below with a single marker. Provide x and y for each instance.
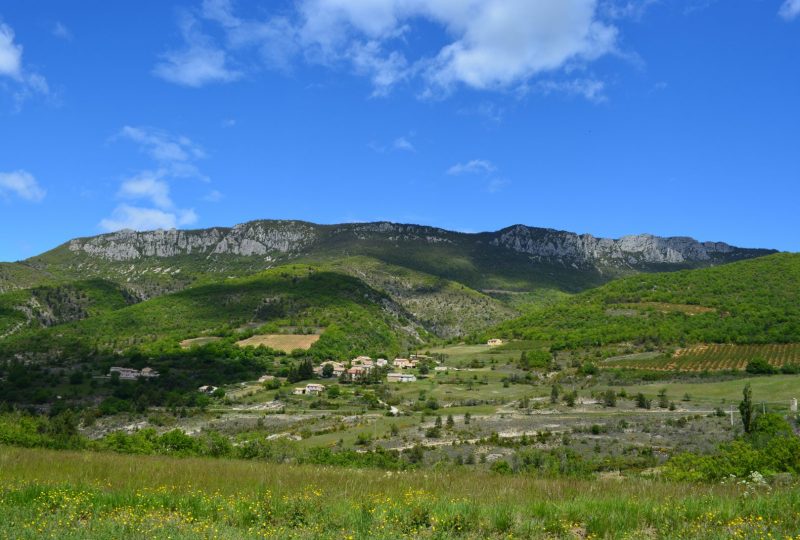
(207, 389)
(400, 377)
(309, 389)
(381, 362)
(494, 342)
(129, 374)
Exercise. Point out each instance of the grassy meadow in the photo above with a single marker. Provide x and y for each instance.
(97, 495)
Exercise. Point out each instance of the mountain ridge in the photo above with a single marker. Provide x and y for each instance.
(285, 237)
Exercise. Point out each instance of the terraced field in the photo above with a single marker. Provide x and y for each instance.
(713, 357)
(281, 342)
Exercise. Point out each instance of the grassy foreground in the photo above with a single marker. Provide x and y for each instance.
(65, 495)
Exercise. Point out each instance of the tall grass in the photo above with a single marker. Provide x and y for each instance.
(47, 494)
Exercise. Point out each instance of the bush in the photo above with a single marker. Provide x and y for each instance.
(759, 366)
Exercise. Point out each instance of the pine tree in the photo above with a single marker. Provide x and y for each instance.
(554, 394)
(746, 408)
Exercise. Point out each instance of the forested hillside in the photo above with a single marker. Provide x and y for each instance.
(754, 301)
(356, 318)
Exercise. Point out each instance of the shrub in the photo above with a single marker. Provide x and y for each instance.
(759, 366)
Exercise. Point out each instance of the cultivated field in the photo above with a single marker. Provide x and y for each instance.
(91, 495)
(775, 390)
(281, 342)
(714, 357)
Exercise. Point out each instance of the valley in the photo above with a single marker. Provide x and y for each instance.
(391, 349)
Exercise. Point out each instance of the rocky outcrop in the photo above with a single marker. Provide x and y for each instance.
(248, 239)
(629, 251)
(274, 239)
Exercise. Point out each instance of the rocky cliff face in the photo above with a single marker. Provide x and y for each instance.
(248, 239)
(628, 251)
(274, 239)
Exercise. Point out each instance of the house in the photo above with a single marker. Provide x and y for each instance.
(358, 372)
(400, 377)
(362, 361)
(207, 389)
(129, 374)
(309, 389)
(148, 373)
(381, 362)
(403, 363)
(338, 368)
(494, 342)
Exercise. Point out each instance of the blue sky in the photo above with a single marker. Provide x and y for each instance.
(609, 117)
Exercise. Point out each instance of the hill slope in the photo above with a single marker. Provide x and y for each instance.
(755, 301)
(51, 305)
(356, 318)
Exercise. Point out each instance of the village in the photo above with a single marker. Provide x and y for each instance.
(359, 369)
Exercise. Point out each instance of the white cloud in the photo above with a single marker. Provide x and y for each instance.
(476, 166)
(26, 82)
(213, 196)
(147, 186)
(61, 31)
(589, 89)
(626, 9)
(145, 219)
(175, 154)
(10, 53)
(198, 63)
(176, 157)
(790, 9)
(402, 143)
(22, 184)
(488, 44)
(496, 184)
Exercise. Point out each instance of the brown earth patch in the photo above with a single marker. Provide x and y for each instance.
(281, 342)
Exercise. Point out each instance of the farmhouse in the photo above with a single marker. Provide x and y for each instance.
(363, 361)
(207, 389)
(358, 372)
(309, 389)
(403, 363)
(338, 368)
(400, 377)
(494, 342)
(129, 374)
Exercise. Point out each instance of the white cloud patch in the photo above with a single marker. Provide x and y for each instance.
(10, 53)
(589, 89)
(213, 196)
(146, 219)
(25, 82)
(483, 169)
(61, 31)
(198, 63)
(21, 184)
(176, 158)
(790, 9)
(488, 44)
(147, 186)
(402, 143)
(176, 155)
(475, 166)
